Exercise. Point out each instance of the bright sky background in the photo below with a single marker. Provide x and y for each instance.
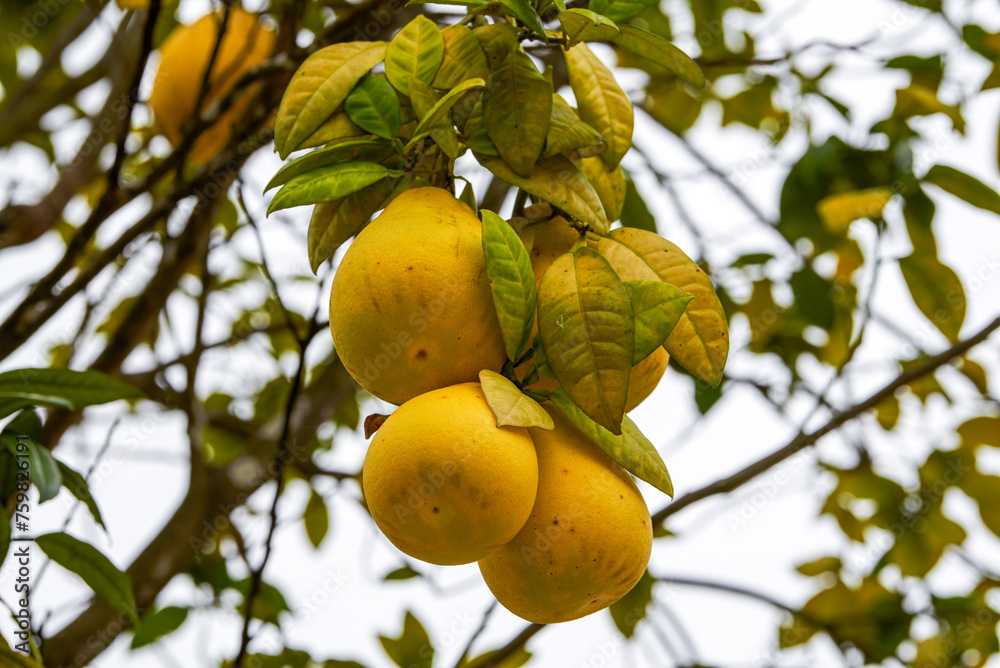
(339, 603)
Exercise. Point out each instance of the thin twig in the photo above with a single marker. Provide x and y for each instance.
(517, 642)
(475, 634)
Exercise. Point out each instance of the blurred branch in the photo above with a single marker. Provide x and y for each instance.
(497, 657)
(802, 441)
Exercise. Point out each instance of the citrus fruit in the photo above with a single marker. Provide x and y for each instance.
(184, 57)
(411, 308)
(551, 239)
(443, 482)
(588, 539)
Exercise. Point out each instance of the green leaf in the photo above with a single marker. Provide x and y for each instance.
(515, 659)
(965, 187)
(700, 341)
(4, 534)
(413, 648)
(512, 407)
(583, 25)
(631, 449)
(77, 486)
(657, 50)
(937, 291)
(402, 573)
(316, 518)
(511, 282)
(13, 659)
(820, 566)
(328, 184)
(95, 569)
(631, 608)
(11, 406)
(352, 149)
(602, 102)
(43, 468)
(158, 624)
(559, 182)
(468, 196)
(525, 12)
(518, 110)
(416, 52)
(586, 327)
(437, 115)
(374, 107)
(657, 308)
(463, 58)
(333, 223)
(64, 388)
(319, 87)
(620, 10)
(567, 133)
(813, 297)
(635, 213)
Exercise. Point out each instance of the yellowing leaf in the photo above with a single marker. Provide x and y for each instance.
(965, 187)
(518, 110)
(937, 291)
(463, 58)
(630, 449)
(497, 41)
(700, 341)
(583, 25)
(559, 182)
(338, 126)
(609, 184)
(840, 210)
(568, 133)
(655, 49)
(318, 87)
(586, 328)
(333, 223)
(602, 102)
(512, 407)
(416, 52)
(981, 431)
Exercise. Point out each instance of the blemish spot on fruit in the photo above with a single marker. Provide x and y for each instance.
(435, 510)
(421, 354)
(621, 496)
(565, 470)
(410, 268)
(555, 521)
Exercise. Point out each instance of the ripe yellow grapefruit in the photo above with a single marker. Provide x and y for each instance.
(444, 483)
(184, 57)
(588, 539)
(411, 308)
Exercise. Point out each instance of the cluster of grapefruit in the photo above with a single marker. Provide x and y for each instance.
(559, 530)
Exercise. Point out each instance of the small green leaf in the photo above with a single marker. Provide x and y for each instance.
(559, 182)
(602, 102)
(583, 25)
(657, 50)
(965, 187)
(657, 308)
(631, 608)
(374, 107)
(463, 58)
(620, 10)
(416, 52)
(511, 282)
(402, 573)
(587, 330)
(518, 111)
(468, 196)
(635, 213)
(525, 12)
(43, 468)
(77, 486)
(158, 624)
(327, 184)
(319, 87)
(512, 407)
(316, 518)
(64, 388)
(95, 569)
(567, 133)
(333, 223)
(437, 115)
(631, 449)
(937, 291)
(352, 149)
(413, 648)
